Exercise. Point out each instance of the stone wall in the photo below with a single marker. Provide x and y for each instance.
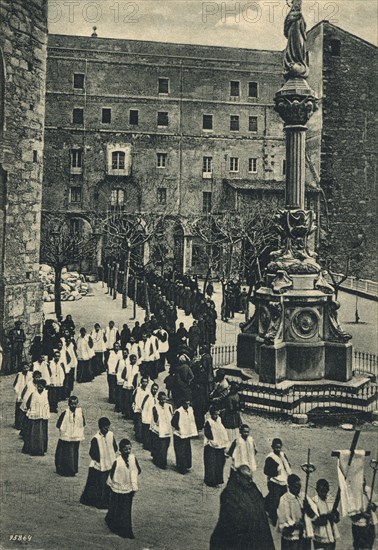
(23, 42)
(343, 142)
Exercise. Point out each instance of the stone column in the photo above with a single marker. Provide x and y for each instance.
(295, 166)
(23, 49)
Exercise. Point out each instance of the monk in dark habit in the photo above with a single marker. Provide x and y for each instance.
(242, 524)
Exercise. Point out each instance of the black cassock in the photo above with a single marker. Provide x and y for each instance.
(96, 492)
(242, 524)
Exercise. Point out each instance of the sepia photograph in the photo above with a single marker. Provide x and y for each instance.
(188, 275)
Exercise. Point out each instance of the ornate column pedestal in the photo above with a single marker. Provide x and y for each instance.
(295, 334)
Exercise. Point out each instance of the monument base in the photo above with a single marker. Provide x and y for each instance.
(350, 400)
(246, 350)
(305, 362)
(338, 361)
(272, 364)
(294, 333)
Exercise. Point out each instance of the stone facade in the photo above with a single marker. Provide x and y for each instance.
(342, 143)
(23, 43)
(123, 76)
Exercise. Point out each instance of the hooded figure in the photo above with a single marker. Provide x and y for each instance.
(242, 524)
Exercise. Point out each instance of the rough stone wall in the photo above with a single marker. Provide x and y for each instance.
(347, 142)
(23, 42)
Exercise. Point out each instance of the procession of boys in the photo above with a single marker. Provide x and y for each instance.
(168, 400)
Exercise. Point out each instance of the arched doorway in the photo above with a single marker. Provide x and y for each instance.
(82, 228)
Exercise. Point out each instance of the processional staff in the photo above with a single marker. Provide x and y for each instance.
(308, 469)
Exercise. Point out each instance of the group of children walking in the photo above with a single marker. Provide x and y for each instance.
(113, 480)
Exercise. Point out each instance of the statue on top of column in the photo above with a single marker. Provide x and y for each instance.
(296, 56)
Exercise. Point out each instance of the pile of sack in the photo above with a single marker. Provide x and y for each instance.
(74, 285)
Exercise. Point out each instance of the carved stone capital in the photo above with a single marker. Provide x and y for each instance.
(295, 257)
(296, 110)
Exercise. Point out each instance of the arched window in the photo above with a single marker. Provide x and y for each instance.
(335, 47)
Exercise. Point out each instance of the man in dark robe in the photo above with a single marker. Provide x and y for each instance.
(187, 301)
(182, 332)
(242, 524)
(182, 381)
(69, 325)
(194, 337)
(17, 339)
(207, 363)
(200, 393)
(136, 333)
(125, 336)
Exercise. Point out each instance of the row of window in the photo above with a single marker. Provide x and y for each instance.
(117, 197)
(163, 119)
(163, 86)
(118, 162)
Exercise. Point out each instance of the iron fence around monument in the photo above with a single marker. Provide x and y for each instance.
(328, 401)
(363, 362)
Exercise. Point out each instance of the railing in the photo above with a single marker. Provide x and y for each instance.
(361, 285)
(363, 363)
(331, 402)
(223, 355)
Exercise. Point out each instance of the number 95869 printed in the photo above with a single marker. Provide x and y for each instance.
(23, 538)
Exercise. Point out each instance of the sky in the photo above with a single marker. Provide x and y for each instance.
(247, 24)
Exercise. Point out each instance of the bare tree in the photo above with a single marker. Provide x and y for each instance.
(63, 244)
(348, 259)
(206, 229)
(239, 240)
(259, 238)
(126, 236)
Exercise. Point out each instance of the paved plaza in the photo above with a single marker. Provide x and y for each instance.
(171, 511)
